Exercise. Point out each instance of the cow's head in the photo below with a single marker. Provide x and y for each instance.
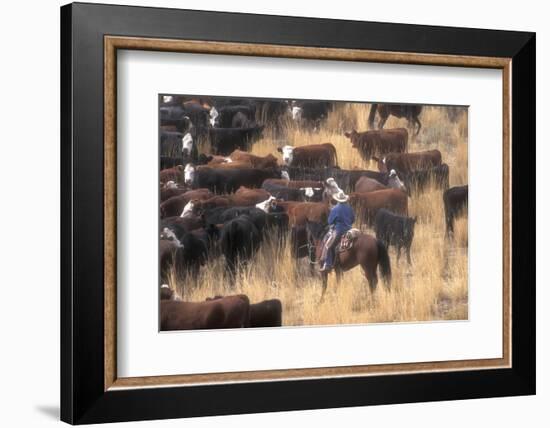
(167, 98)
(171, 185)
(312, 194)
(296, 113)
(267, 205)
(187, 144)
(188, 209)
(351, 135)
(394, 181)
(288, 154)
(169, 235)
(189, 174)
(381, 164)
(213, 116)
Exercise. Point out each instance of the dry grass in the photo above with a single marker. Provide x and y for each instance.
(435, 287)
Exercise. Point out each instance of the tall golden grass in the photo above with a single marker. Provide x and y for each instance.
(435, 287)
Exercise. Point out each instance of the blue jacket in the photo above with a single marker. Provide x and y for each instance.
(341, 217)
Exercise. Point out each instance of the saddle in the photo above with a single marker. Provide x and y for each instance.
(347, 240)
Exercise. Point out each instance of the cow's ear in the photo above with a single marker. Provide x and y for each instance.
(279, 149)
(347, 134)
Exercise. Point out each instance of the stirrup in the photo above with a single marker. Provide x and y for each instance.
(325, 268)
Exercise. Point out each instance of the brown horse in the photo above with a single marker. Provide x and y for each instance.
(409, 112)
(367, 251)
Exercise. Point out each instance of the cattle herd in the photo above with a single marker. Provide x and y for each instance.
(219, 201)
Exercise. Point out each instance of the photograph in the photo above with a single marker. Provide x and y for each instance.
(292, 212)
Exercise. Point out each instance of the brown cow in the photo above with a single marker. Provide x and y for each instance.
(166, 293)
(216, 159)
(197, 206)
(187, 223)
(174, 174)
(169, 191)
(227, 312)
(301, 212)
(266, 314)
(268, 161)
(405, 163)
(244, 196)
(368, 204)
(313, 156)
(174, 206)
(366, 184)
(379, 142)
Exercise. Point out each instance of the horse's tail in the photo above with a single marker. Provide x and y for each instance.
(384, 262)
(372, 113)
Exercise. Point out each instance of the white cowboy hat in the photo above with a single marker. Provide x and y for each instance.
(340, 197)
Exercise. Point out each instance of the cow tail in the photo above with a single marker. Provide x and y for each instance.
(372, 113)
(335, 156)
(384, 262)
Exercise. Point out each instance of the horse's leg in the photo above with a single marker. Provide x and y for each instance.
(324, 277)
(417, 122)
(338, 275)
(372, 277)
(382, 121)
(398, 252)
(408, 249)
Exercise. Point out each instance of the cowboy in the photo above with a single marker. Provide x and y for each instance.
(340, 220)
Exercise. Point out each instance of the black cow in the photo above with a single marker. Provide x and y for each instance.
(239, 241)
(266, 314)
(455, 201)
(311, 113)
(418, 181)
(189, 118)
(226, 114)
(177, 144)
(241, 120)
(227, 180)
(272, 111)
(257, 216)
(306, 194)
(188, 253)
(396, 230)
(299, 247)
(224, 141)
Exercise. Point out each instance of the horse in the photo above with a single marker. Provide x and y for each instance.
(366, 251)
(409, 112)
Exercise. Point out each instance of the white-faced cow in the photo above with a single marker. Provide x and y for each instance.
(311, 156)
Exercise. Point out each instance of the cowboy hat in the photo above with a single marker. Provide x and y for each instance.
(340, 197)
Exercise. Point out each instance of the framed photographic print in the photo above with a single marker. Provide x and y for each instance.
(265, 213)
